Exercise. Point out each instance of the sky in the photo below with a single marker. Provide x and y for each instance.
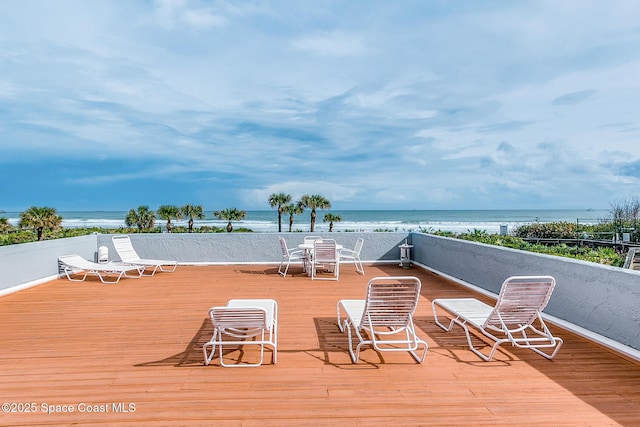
(408, 104)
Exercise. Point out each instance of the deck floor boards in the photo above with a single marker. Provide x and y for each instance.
(140, 342)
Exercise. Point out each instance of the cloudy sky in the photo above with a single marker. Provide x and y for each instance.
(108, 105)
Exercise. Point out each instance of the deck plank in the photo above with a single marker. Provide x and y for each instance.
(139, 342)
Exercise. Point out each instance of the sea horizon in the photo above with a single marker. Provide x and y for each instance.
(453, 220)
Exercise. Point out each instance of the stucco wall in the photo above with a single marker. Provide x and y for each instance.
(27, 262)
(233, 248)
(602, 299)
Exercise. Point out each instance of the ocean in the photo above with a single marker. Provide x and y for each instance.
(458, 221)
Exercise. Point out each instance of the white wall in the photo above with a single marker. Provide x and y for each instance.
(602, 299)
(249, 248)
(36, 261)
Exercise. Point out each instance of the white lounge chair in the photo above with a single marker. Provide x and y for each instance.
(325, 256)
(73, 265)
(384, 320)
(354, 255)
(516, 317)
(289, 255)
(128, 255)
(243, 322)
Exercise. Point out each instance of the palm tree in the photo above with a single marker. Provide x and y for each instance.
(314, 202)
(143, 218)
(232, 214)
(192, 211)
(5, 225)
(331, 218)
(279, 200)
(40, 218)
(167, 212)
(292, 209)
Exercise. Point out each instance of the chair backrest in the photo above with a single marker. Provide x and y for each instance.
(240, 322)
(324, 251)
(311, 239)
(283, 247)
(124, 248)
(391, 301)
(358, 247)
(521, 299)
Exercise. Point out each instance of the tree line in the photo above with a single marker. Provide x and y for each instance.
(624, 215)
(284, 204)
(144, 218)
(41, 219)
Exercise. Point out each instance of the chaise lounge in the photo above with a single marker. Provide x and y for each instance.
(384, 320)
(74, 265)
(516, 317)
(128, 255)
(240, 323)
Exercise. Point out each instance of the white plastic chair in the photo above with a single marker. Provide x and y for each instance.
(243, 322)
(514, 317)
(325, 256)
(354, 255)
(289, 255)
(384, 320)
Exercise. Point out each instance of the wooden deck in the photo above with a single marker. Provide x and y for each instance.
(131, 352)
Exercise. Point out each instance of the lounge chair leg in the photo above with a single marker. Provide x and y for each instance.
(354, 355)
(207, 358)
(488, 357)
(420, 359)
(558, 344)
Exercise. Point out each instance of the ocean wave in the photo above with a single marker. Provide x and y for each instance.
(364, 221)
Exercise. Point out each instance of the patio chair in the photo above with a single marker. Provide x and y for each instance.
(289, 255)
(325, 256)
(243, 322)
(516, 317)
(128, 255)
(354, 255)
(73, 265)
(384, 320)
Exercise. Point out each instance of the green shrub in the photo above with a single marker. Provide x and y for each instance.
(600, 255)
(547, 230)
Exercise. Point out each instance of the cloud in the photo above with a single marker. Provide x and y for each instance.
(574, 97)
(330, 44)
(630, 169)
(412, 105)
(178, 13)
